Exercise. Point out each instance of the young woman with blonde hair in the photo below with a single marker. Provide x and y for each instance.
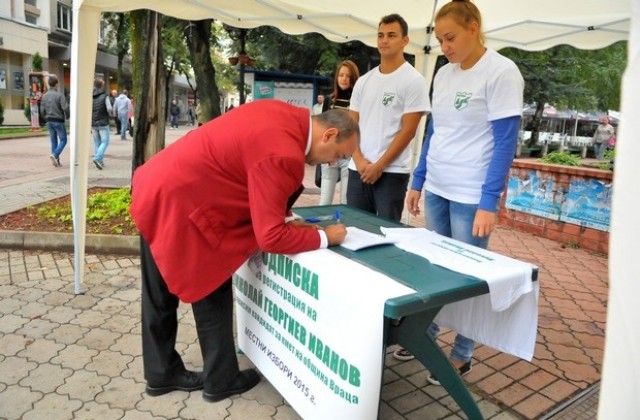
(470, 143)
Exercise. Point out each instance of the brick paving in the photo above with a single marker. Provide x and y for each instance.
(67, 356)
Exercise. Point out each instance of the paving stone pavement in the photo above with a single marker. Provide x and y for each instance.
(66, 356)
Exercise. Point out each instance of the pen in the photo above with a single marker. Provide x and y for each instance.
(313, 219)
(338, 216)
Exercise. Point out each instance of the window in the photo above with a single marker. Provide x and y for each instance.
(31, 2)
(3, 79)
(102, 36)
(31, 18)
(18, 80)
(64, 17)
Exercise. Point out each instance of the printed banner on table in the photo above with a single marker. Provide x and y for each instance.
(312, 323)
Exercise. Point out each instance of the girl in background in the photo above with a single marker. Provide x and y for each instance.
(346, 75)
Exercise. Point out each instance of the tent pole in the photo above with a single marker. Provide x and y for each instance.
(86, 25)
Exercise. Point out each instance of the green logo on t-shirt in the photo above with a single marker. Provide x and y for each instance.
(387, 98)
(462, 100)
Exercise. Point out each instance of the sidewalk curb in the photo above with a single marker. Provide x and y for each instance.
(49, 241)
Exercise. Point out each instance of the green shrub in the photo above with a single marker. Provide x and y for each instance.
(559, 158)
(27, 114)
(102, 208)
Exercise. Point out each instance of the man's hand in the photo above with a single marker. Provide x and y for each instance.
(412, 202)
(484, 223)
(361, 162)
(371, 173)
(335, 233)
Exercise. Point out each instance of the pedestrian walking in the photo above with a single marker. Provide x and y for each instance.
(122, 109)
(55, 110)
(100, 122)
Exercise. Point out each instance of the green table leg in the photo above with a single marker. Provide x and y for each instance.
(410, 333)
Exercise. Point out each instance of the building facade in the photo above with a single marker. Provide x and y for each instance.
(45, 27)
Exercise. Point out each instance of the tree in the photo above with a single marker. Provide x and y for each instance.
(119, 38)
(274, 50)
(306, 54)
(199, 40)
(36, 62)
(149, 81)
(568, 77)
(176, 53)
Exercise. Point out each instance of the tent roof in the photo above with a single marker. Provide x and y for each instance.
(586, 24)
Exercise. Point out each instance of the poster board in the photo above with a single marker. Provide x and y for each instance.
(292, 314)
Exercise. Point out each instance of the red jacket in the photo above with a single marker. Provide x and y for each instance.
(211, 199)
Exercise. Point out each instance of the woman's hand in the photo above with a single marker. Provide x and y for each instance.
(412, 202)
(484, 223)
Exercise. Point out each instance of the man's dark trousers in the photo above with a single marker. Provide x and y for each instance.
(214, 324)
(384, 198)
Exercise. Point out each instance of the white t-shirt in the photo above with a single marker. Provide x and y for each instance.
(381, 100)
(465, 102)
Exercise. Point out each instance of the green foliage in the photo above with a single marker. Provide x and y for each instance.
(568, 77)
(559, 158)
(14, 130)
(573, 245)
(36, 61)
(310, 53)
(118, 39)
(101, 206)
(609, 154)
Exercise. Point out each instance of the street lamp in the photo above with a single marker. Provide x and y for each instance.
(244, 60)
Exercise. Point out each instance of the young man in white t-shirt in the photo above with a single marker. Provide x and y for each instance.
(388, 102)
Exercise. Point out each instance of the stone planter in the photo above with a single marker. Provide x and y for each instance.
(563, 203)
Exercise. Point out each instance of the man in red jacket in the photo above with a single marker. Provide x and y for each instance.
(204, 205)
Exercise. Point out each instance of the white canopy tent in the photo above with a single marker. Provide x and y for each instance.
(587, 24)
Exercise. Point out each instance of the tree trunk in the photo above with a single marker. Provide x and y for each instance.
(122, 47)
(198, 34)
(535, 124)
(149, 80)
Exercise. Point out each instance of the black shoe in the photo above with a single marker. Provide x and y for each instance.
(58, 162)
(245, 380)
(462, 370)
(186, 381)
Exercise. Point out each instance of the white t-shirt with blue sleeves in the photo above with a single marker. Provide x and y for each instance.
(465, 102)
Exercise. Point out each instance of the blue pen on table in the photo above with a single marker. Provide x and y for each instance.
(337, 216)
(314, 219)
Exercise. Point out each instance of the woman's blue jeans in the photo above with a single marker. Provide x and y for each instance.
(100, 141)
(454, 220)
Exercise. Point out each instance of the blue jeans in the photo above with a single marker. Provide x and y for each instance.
(100, 141)
(384, 198)
(599, 149)
(330, 175)
(454, 220)
(174, 121)
(58, 137)
(124, 125)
